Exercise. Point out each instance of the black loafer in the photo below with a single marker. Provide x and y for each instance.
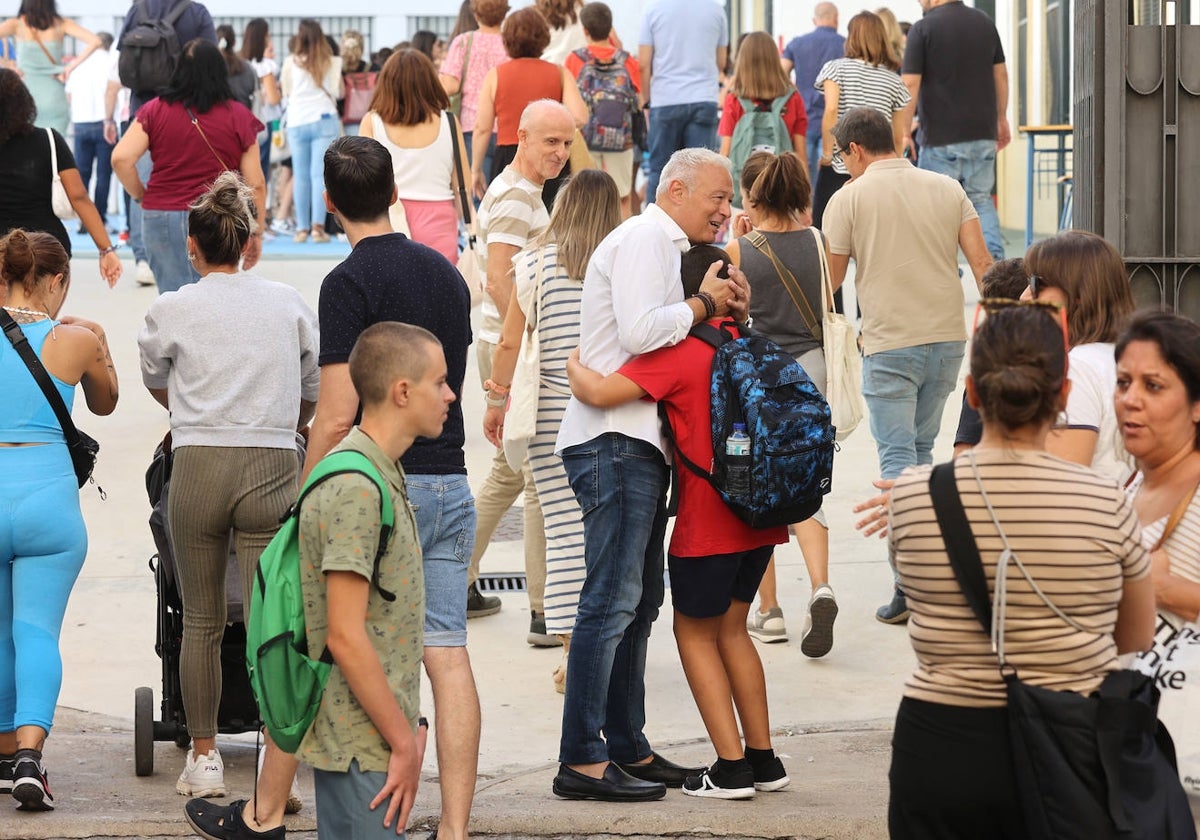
(658, 769)
(615, 786)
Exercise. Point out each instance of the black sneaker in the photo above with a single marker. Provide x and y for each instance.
(224, 822)
(30, 786)
(770, 775)
(735, 783)
(538, 637)
(478, 604)
(7, 763)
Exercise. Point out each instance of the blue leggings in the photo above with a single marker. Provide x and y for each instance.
(42, 546)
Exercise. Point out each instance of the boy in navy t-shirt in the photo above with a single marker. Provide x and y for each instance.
(715, 559)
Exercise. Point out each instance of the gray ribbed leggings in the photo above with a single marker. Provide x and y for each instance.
(216, 489)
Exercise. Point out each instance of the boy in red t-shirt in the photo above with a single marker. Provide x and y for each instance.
(715, 560)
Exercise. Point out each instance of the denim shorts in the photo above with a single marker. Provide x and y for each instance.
(704, 587)
(344, 805)
(445, 512)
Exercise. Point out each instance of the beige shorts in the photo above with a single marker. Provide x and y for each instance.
(619, 165)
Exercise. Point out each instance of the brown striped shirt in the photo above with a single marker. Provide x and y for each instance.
(1182, 544)
(1077, 536)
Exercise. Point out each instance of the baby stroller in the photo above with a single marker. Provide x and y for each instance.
(237, 711)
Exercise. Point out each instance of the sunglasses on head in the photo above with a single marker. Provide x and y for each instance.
(990, 306)
(1037, 284)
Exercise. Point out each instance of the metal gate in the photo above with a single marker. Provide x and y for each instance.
(1137, 141)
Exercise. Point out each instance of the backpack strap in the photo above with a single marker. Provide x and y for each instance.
(143, 12)
(346, 462)
(780, 102)
(176, 13)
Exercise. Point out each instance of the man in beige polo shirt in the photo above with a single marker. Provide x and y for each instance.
(903, 226)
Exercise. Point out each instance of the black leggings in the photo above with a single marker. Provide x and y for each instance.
(829, 181)
(952, 775)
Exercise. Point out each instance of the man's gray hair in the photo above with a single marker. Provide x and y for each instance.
(539, 107)
(684, 165)
(825, 12)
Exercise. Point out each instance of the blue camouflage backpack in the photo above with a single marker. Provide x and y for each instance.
(757, 131)
(607, 89)
(758, 383)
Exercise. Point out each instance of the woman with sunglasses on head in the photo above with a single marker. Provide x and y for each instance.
(952, 773)
(1084, 273)
(1158, 411)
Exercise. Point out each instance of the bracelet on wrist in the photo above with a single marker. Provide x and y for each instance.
(498, 401)
(710, 305)
(111, 249)
(503, 390)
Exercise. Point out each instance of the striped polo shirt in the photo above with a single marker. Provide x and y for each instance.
(1078, 537)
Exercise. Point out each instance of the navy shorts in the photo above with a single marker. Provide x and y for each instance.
(703, 587)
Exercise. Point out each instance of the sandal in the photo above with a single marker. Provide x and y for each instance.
(224, 822)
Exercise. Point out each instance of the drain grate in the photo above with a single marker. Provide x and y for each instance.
(502, 582)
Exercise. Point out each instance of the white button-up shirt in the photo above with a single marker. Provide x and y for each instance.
(632, 304)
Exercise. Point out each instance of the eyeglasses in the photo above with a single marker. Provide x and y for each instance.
(991, 306)
(838, 151)
(1037, 284)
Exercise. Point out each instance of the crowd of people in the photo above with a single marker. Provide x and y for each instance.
(594, 185)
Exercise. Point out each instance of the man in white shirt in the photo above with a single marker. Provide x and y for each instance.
(615, 458)
(85, 92)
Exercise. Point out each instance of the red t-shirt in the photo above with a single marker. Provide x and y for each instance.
(519, 82)
(184, 166)
(574, 63)
(793, 115)
(679, 377)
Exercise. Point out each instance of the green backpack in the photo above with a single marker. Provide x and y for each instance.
(757, 131)
(287, 682)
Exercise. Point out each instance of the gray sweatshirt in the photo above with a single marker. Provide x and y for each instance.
(236, 354)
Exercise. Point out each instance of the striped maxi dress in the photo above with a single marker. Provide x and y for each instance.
(556, 314)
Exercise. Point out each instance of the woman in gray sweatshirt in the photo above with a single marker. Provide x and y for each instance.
(233, 358)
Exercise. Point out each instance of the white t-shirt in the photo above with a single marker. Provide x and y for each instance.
(87, 84)
(263, 68)
(1093, 375)
(309, 101)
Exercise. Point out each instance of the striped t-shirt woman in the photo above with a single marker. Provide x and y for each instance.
(556, 314)
(1078, 537)
(862, 85)
(1182, 544)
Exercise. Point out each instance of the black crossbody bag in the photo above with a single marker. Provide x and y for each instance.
(82, 447)
(1100, 767)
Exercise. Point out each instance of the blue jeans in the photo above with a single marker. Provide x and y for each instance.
(445, 512)
(906, 390)
(813, 146)
(308, 143)
(972, 164)
(165, 236)
(675, 127)
(620, 484)
(136, 241)
(487, 158)
(344, 805)
(90, 147)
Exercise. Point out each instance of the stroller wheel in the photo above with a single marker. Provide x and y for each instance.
(143, 731)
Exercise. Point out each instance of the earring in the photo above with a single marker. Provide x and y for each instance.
(191, 257)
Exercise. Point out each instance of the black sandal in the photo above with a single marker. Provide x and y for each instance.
(224, 822)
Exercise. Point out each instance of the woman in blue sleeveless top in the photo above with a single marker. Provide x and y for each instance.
(42, 535)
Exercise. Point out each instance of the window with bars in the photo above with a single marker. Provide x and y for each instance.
(440, 25)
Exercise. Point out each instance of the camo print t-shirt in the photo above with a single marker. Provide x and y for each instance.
(339, 531)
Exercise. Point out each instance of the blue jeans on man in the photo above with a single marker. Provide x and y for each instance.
(620, 483)
(445, 512)
(972, 164)
(905, 391)
(812, 144)
(91, 148)
(164, 235)
(675, 127)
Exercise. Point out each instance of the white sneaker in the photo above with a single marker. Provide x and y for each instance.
(204, 776)
(294, 802)
(143, 274)
(817, 638)
(767, 627)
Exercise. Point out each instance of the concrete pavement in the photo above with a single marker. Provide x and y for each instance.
(831, 716)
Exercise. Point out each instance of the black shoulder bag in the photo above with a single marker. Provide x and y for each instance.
(83, 448)
(1087, 768)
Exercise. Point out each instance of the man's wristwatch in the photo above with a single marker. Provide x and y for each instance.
(111, 249)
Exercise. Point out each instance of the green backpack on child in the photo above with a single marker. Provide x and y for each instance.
(287, 682)
(757, 131)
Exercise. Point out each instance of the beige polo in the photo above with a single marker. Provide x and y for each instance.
(901, 226)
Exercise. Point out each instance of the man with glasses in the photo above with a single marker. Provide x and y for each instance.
(903, 226)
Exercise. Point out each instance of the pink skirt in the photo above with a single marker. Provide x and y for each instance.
(434, 223)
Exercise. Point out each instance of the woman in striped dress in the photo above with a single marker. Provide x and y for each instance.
(548, 287)
(868, 77)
